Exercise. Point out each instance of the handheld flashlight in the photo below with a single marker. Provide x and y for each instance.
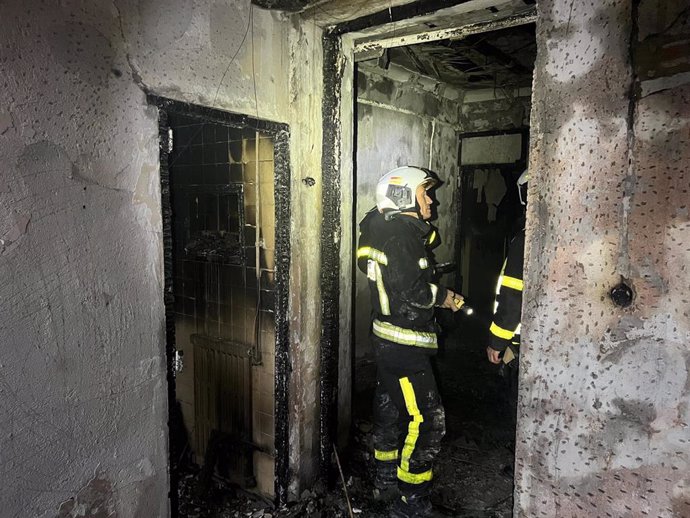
(460, 304)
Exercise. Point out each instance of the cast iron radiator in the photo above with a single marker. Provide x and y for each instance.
(223, 408)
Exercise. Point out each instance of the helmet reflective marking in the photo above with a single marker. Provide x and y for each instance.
(396, 190)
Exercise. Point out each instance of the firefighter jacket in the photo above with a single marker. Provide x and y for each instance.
(393, 254)
(505, 328)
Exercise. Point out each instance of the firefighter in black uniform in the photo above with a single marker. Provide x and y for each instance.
(505, 329)
(409, 419)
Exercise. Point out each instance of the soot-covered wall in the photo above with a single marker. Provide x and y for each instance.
(82, 369)
(604, 398)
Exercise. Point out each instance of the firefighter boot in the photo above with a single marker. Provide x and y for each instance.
(385, 493)
(412, 507)
(386, 482)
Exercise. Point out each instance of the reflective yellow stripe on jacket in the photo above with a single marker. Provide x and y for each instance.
(500, 332)
(434, 294)
(507, 281)
(373, 254)
(376, 258)
(383, 296)
(511, 282)
(431, 238)
(400, 335)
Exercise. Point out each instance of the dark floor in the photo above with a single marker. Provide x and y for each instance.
(473, 474)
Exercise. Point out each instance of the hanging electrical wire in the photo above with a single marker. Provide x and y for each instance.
(186, 145)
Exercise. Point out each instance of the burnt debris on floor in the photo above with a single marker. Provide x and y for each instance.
(473, 475)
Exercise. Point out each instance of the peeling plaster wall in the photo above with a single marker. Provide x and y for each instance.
(603, 413)
(396, 125)
(82, 382)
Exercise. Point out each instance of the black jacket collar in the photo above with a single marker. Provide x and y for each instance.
(419, 225)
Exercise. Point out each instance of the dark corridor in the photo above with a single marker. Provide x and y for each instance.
(473, 473)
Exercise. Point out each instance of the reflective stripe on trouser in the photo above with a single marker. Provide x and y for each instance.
(386, 456)
(408, 418)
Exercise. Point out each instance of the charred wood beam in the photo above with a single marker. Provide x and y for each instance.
(419, 63)
(454, 33)
(394, 14)
(290, 6)
(486, 49)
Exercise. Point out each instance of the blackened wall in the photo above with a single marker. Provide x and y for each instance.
(83, 413)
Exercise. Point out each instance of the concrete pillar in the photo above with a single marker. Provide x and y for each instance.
(603, 412)
(306, 85)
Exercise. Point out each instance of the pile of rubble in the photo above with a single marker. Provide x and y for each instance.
(472, 479)
(222, 501)
(473, 475)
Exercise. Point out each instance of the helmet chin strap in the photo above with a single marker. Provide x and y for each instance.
(391, 214)
(418, 209)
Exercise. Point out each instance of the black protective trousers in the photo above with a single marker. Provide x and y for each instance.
(409, 420)
(509, 372)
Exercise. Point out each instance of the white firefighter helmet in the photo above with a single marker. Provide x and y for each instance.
(521, 182)
(396, 190)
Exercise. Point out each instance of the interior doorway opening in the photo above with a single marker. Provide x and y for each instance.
(459, 107)
(225, 199)
(491, 210)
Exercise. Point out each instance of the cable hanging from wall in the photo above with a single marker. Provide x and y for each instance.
(186, 145)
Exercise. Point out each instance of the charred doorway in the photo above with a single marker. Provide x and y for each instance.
(460, 107)
(225, 193)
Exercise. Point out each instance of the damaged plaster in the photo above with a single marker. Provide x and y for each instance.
(95, 500)
(603, 413)
(83, 359)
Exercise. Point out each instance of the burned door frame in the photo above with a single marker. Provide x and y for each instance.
(338, 158)
(280, 134)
